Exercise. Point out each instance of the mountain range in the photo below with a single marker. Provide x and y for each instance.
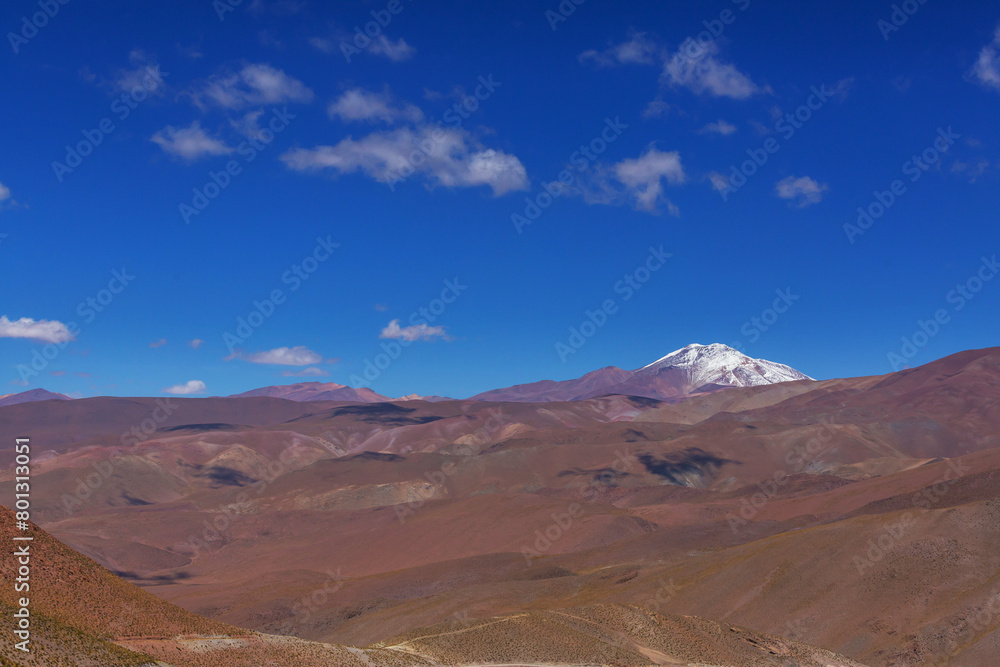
(691, 370)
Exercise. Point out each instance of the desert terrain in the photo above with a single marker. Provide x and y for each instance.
(839, 522)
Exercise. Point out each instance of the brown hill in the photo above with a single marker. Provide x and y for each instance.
(317, 391)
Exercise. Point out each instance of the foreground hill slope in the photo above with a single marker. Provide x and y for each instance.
(83, 616)
(607, 635)
(74, 590)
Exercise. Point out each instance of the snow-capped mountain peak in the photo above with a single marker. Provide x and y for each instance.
(690, 370)
(722, 365)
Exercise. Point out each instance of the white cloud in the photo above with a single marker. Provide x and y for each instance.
(637, 182)
(636, 50)
(284, 356)
(719, 182)
(253, 85)
(801, 192)
(842, 88)
(656, 109)
(986, 71)
(973, 172)
(192, 52)
(196, 343)
(361, 105)
(186, 389)
(413, 333)
(143, 72)
(397, 51)
(643, 177)
(189, 143)
(720, 127)
(267, 38)
(312, 371)
(696, 66)
(4, 192)
(321, 44)
(249, 124)
(45, 331)
(158, 343)
(450, 157)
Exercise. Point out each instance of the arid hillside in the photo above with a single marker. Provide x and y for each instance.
(83, 615)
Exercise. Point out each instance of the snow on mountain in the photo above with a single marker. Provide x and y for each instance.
(720, 364)
(692, 369)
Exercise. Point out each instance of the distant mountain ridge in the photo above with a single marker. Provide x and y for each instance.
(317, 391)
(689, 370)
(32, 395)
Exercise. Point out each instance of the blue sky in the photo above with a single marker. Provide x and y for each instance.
(507, 168)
